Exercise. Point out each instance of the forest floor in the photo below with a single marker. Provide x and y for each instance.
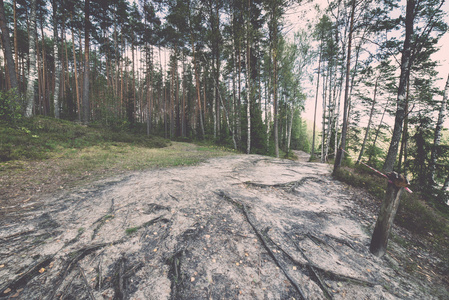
(233, 227)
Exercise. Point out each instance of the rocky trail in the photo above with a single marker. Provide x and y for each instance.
(237, 227)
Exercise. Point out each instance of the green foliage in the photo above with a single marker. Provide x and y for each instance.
(361, 177)
(413, 214)
(131, 230)
(40, 137)
(10, 108)
(301, 137)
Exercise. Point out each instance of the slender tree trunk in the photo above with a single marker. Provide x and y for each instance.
(378, 131)
(323, 121)
(239, 94)
(39, 77)
(339, 157)
(331, 119)
(33, 62)
(312, 152)
(57, 69)
(86, 106)
(133, 113)
(404, 139)
(172, 93)
(437, 136)
(275, 99)
(76, 73)
(406, 63)
(16, 47)
(183, 105)
(44, 70)
(197, 79)
(248, 81)
(289, 130)
(369, 122)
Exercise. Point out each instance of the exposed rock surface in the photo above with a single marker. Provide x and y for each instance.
(239, 227)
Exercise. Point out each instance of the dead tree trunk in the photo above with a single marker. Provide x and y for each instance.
(387, 213)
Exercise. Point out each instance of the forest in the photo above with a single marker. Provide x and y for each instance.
(238, 73)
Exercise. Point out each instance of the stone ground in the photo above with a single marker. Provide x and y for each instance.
(238, 227)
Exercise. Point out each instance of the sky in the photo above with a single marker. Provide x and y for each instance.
(297, 16)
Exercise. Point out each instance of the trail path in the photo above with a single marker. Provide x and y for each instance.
(238, 227)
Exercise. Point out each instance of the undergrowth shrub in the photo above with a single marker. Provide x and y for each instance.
(10, 108)
(38, 137)
(414, 214)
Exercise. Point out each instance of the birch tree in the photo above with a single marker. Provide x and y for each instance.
(57, 70)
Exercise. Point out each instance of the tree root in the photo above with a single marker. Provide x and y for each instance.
(329, 274)
(174, 273)
(101, 222)
(27, 275)
(243, 209)
(70, 264)
(288, 186)
(313, 271)
(119, 287)
(86, 283)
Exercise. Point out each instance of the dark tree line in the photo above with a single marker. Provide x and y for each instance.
(225, 71)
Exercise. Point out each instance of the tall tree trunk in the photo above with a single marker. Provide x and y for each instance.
(377, 132)
(197, 80)
(149, 88)
(248, 81)
(289, 129)
(312, 152)
(39, 77)
(275, 98)
(437, 136)
(323, 119)
(16, 47)
(404, 139)
(369, 122)
(183, 105)
(339, 157)
(331, 119)
(33, 62)
(239, 93)
(406, 63)
(44, 69)
(133, 102)
(86, 106)
(57, 68)
(172, 93)
(76, 73)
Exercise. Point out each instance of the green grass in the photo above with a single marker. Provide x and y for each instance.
(47, 154)
(40, 137)
(131, 230)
